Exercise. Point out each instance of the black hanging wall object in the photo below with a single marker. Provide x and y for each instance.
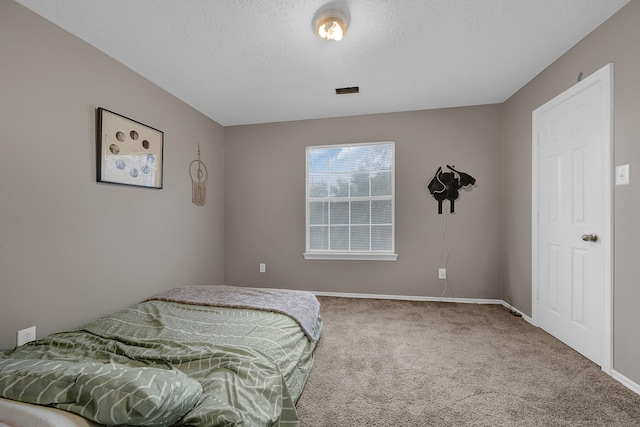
(445, 186)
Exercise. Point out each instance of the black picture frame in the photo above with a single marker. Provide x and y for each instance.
(128, 152)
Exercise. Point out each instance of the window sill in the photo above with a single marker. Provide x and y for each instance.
(337, 256)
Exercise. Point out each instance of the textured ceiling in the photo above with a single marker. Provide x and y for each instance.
(257, 61)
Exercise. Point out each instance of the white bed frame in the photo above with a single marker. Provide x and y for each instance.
(18, 414)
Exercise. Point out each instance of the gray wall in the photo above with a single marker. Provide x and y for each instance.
(72, 249)
(265, 204)
(617, 41)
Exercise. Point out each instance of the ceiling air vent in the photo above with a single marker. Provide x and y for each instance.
(347, 90)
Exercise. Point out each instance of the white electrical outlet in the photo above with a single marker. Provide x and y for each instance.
(263, 267)
(622, 175)
(26, 335)
(442, 273)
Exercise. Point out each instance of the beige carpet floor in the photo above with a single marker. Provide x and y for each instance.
(406, 363)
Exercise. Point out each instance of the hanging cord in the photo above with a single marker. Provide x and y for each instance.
(446, 254)
(199, 188)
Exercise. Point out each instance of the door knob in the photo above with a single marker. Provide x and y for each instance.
(590, 237)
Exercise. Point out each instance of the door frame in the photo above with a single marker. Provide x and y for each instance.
(604, 76)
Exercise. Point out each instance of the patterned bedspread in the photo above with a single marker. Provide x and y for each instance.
(300, 305)
(251, 364)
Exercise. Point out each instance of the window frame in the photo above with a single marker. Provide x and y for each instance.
(329, 254)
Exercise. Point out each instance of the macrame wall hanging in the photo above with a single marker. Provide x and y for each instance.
(198, 184)
(445, 186)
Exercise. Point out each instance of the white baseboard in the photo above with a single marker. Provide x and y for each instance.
(409, 298)
(524, 316)
(625, 381)
(423, 298)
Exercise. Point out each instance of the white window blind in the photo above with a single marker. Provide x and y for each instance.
(350, 201)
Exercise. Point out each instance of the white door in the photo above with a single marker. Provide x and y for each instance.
(572, 217)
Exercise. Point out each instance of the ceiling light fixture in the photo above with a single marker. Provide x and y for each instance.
(330, 23)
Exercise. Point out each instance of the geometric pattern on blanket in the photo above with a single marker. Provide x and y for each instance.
(302, 306)
(251, 365)
(106, 393)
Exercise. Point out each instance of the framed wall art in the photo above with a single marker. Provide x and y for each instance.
(128, 152)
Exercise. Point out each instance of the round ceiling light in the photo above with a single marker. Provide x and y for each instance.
(330, 24)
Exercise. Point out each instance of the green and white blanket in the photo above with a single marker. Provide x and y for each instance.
(173, 363)
(302, 306)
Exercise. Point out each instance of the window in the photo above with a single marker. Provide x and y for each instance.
(350, 202)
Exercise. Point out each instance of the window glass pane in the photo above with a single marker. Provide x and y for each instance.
(360, 184)
(319, 238)
(381, 157)
(360, 212)
(339, 185)
(360, 158)
(318, 213)
(339, 213)
(381, 184)
(381, 212)
(318, 186)
(318, 160)
(339, 160)
(360, 238)
(339, 238)
(381, 238)
(350, 197)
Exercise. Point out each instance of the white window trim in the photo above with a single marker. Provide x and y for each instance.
(352, 256)
(346, 255)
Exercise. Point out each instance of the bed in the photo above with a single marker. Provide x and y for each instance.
(192, 356)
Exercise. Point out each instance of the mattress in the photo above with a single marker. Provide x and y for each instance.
(251, 364)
